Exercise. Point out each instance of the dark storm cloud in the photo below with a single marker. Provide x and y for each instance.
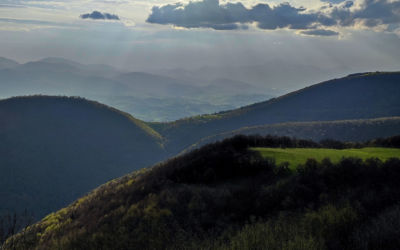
(99, 16)
(319, 32)
(371, 13)
(211, 14)
(208, 13)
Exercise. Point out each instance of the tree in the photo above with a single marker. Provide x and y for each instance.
(10, 224)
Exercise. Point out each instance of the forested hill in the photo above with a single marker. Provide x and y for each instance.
(346, 130)
(55, 149)
(358, 96)
(226, 196)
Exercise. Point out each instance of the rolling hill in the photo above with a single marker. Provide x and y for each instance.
(48, 135)
(359, 96)
(226, 196)
(55, 149)
(347, 130)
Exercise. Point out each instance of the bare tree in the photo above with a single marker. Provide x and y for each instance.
(10, 224)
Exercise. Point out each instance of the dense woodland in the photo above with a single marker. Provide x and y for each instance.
(225, 196)
(220, 196)
(55, 149)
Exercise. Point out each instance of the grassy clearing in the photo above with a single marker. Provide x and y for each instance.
(296, 156)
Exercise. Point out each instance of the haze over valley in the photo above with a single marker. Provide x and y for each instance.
(162, 95)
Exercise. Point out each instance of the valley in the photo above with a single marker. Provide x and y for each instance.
(360, 96)
(147, 96)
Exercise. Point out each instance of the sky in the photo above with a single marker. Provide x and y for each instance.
(146, 35)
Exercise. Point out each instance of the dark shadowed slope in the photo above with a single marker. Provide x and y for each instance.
(54, 149)
(361, 96)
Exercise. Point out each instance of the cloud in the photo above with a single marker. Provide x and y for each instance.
(129, 23)
(333, 1)
(397, 32)
(38, 22)
(319, 32)
(210, 14)
(11, 6)
(95, 15)
(31, 24)
(369, 14)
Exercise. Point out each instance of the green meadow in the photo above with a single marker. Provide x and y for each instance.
(296, 156)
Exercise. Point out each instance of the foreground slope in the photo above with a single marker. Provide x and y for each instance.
(225, 196)
(54, 149)
(360, 96)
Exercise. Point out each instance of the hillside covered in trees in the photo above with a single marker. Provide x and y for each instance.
(348, 130)
(358, 96)
(55, 149)
(225, 196)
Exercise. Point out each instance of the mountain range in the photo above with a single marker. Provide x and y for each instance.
(61, 76)
(54, 149)
(104, 83)
(278, 74)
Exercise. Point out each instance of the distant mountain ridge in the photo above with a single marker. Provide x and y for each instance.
(6, 63)
(34, 79)
(279, 74)
(79, 65)
(46, 77)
